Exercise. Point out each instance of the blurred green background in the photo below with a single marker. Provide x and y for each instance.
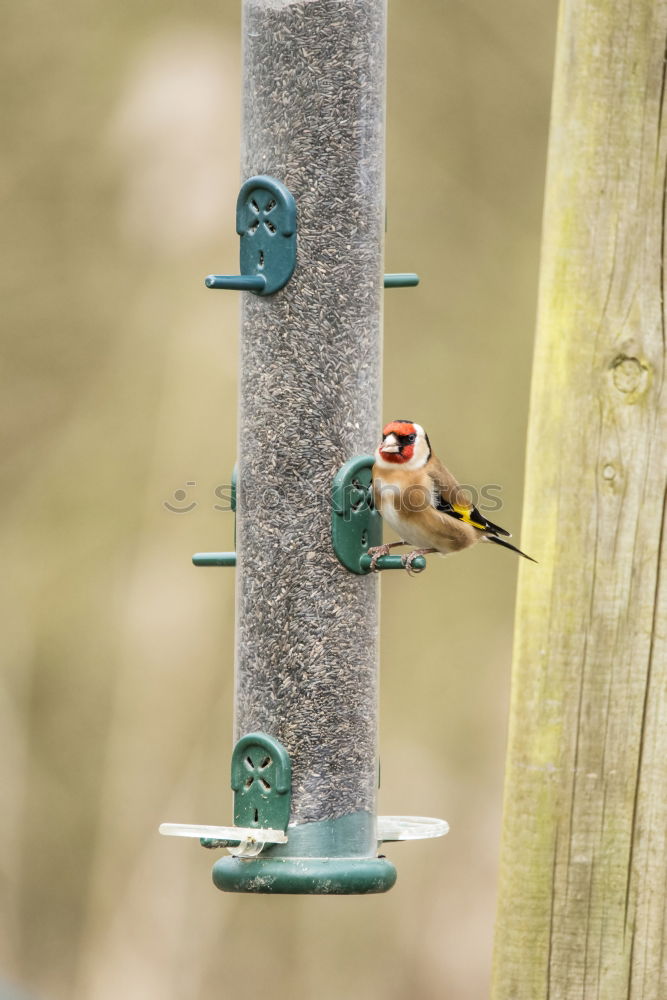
(119, 177)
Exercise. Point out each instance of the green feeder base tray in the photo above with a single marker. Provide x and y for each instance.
(315, 876)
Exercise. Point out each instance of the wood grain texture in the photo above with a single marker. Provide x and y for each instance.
(584, 860)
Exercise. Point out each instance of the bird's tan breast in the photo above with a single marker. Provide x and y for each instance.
(407, 492)
(405, 500)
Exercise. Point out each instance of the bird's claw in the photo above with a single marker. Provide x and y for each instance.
(408, 563)
(375, 553)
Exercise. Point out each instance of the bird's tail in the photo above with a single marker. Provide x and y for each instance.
(508, 545)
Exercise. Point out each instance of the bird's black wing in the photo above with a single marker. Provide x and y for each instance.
(449, 497)
(469, 515)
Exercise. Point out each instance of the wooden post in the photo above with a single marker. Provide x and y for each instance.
(584, 855)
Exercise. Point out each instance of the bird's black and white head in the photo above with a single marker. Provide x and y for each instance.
(404, 444)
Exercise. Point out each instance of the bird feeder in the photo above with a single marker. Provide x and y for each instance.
(310, 216)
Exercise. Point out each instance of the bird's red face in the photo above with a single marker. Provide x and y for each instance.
(398, 441)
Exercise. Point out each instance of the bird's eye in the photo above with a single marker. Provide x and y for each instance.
(412, 438)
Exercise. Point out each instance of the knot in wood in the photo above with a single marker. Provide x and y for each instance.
(630, 376)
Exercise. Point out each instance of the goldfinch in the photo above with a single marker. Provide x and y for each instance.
(422, 501)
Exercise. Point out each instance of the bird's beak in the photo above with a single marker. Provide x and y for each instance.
(390, 444)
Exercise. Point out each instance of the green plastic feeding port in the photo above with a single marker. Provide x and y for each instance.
(356, 526)
(266, 224)
(261, 782)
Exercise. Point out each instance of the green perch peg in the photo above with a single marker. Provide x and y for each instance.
(214, 844)
(384, 562)
(392, 562)
(214, 559)
(257, 282)
(239, 282)
(401, 281)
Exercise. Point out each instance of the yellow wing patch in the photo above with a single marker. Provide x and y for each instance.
(464, 513)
